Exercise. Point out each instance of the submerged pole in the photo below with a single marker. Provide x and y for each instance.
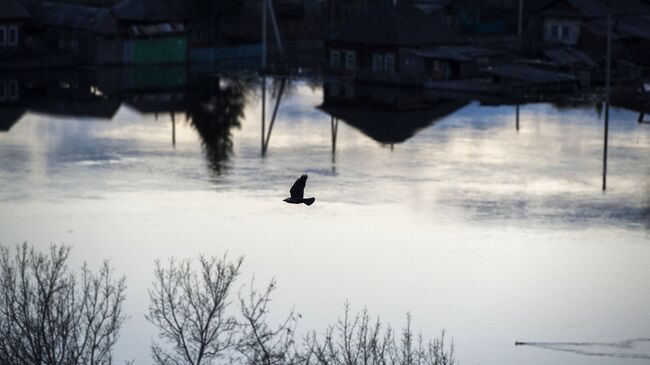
(275, 27)
(607, 97)
(173, 130)
(520, 25)
(263, 113)
(264, 8)
(517, 118)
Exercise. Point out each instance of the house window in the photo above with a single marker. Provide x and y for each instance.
(333, 89)
(3, 36)
(389, 62)
(565, 32)
(350, 60)
(377, 62)
(554, 31)
(12, 36)
(13, 90)
(335, 59)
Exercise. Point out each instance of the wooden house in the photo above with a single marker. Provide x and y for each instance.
(131, 32)
(86, 35)
(153, 31)
(13, 16)
(582, 24)
(368, 49)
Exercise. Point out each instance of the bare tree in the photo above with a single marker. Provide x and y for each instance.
(189, 309)
(259, 342)
(356, 340)
(49, 316)
(190, 312)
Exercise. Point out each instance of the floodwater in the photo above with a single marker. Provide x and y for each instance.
(492, 228)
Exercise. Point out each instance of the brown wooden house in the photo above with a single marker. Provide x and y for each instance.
(12, 28)
(368, 48)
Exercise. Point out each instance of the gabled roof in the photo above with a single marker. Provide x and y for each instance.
(69, 16)
(531, 74)
(566, 56)
(629, 27)
(429, 6)
(597, 8)
(454, 53)
(10, 116)
(586, 8)
(151, 11)
(391, 126)
(400, 25)
(12, 9)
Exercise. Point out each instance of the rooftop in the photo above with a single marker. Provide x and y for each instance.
(400, 25)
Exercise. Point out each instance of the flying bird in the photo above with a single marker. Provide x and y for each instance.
(298, 191)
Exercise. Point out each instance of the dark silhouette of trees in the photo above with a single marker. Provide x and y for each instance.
(189, 310)
(49, 315)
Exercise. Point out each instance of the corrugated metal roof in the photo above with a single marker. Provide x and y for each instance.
(429, 6)
(59, 15)
(628, 27)
(12, 9)
(400, 25)
(151, 11)
(454, 53)
(569, 57)
(598, 8)
(530, 74)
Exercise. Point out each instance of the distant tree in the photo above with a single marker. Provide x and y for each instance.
(189, 309)
(355, 339)
(48, 315)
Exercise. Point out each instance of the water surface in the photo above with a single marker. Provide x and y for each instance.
(494, 230)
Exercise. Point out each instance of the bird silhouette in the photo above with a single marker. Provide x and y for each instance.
(298, 191)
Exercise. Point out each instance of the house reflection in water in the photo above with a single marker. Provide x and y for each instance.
(11, 102)
(211, 105)
(387, 115)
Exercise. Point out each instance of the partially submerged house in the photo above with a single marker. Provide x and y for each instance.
(86, 35)
(131, 32)
(13, 16)
(154, 31)
(370, 48)
(582, 24)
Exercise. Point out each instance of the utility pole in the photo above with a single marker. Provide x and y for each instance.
(520, 25)
(607, 96)
(264, 8)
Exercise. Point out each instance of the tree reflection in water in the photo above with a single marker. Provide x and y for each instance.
(213, 109)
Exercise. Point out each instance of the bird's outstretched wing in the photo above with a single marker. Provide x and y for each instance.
(298, 189)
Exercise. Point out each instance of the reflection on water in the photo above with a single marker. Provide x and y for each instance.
(482, 216)
(626, 349)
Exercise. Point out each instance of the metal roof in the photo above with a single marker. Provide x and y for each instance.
(566, 56)
(400, 25)
(151, 11)
(48, 14)
(12, 9)
(530, 74)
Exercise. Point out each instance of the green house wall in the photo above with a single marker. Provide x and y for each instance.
(156, 51)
